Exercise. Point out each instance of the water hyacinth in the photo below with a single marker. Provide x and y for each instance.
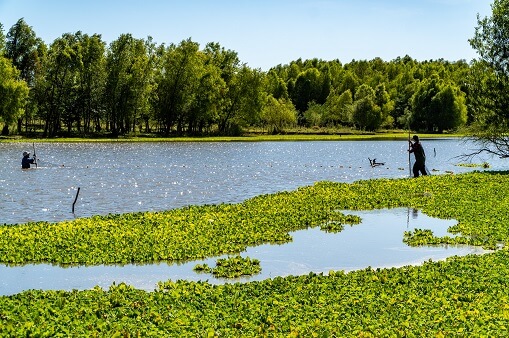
(476, 200)
(462, 296)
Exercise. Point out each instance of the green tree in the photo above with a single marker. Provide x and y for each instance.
(22, 47)
(338, 108)
(129, 72)
(178, 82)
(489, 81)
(386, 104)
(70, 92)
(449, 108)
(278, 114)
(405, 86)
(438, 105)
(366, 114)
(242, 96)
(55, 90)
(13, 94)
(314, 115)
(204, 110)
(349, 82)
(422, 109)
(243, 101)
(307, 88)
(91, 79)
(276, 86)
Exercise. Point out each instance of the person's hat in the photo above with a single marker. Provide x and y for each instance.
(416, 138)
(25, 153)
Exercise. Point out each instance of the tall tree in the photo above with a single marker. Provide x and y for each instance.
(386, 104)
(489, 83)
(178, 82)
(91, 78)
(422, 117)
(338, 108)
(127, 83)
(22, 47)
(366, 113)
(243, 101)
(13, 93)
(204, 110)
(56, 91)
(308, 87)
(242, 96)
(278, 114)
(438, 105)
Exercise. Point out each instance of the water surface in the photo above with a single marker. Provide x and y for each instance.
(129, 177)
(376, 242)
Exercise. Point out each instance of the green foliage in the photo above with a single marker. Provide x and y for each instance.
(232, 267)
(314, 114)
(307, 88)
(462, 296)
(13, 92)
(178, 80)
(127, 82)
(437, 106)
(83, 87)
(196, 232)
(474, 165)
(278, 114)
(366, 113)
(338, 225)
(489, 81)
(338, 108)
(21, 48)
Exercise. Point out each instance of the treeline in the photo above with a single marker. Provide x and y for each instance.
(79, 85)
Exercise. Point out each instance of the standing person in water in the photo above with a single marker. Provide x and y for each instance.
(26, 161)
(420, 156)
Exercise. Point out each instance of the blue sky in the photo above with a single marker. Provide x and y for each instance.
(266, 33)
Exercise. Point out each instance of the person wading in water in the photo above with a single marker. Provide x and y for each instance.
(420, 156)
(26, 161)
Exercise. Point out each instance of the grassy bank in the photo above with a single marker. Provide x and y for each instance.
(249, 137)
(463, 296)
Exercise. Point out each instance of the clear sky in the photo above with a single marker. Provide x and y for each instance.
(266, 33)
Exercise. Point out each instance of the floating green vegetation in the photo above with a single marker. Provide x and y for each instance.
(339, 225)
(485, 165)
(477, 200)
(462, 296)
(232, 267)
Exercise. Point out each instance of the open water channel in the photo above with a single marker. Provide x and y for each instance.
(126, 177)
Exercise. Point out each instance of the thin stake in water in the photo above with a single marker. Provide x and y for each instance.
(75, 199)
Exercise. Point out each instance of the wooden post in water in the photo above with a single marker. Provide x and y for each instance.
(75, 199)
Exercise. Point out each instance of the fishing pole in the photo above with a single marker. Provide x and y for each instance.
(35, 157)
(409, 145)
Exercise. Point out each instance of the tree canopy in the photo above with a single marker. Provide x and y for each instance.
(488, 90)
(79, 85)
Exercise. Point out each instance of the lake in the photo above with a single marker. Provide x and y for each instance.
(128, 177)
(124, 177)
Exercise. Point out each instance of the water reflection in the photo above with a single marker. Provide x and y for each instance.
(376, 242)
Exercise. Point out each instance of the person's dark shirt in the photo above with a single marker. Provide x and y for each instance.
(418, 151)
(26, 161)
